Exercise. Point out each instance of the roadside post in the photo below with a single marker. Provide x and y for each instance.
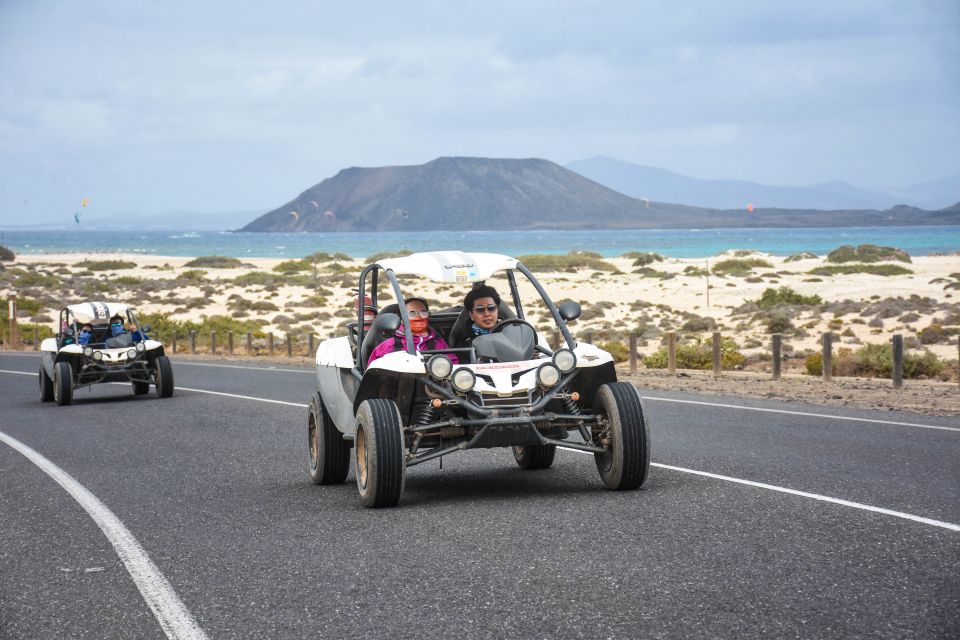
(827, 357)
(193, 342)
(777, 354)
(173, 342)
(897, 373)
(289, 346)
(555, 344)
(36, 337)
(672, 353)
(310, 348)
(633, 353)
(249, 343)
(716, 354)
(270, 344)
(213, 342)
(589, 337)
(230, 342)
(12, 314)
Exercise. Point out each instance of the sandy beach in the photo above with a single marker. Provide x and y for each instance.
(668, 295)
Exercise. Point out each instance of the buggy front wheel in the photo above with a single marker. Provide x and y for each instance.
(329, 452)
(62, 383)
(378, 453)
(46, 386)
(163, 376)
(622, 430)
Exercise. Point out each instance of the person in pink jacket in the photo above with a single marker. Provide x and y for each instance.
(424, 338)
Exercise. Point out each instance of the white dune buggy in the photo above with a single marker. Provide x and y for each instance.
(509, 389)
(68, 365)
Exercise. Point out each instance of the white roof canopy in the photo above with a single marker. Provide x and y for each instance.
(450, 266)
(97, 312)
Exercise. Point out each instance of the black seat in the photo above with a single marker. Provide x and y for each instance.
(374, 336)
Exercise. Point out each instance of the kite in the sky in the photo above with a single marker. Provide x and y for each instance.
(296, 216)
(750, 208)
(315, 205)
(76, 217)
(646, 202)
(84, 203)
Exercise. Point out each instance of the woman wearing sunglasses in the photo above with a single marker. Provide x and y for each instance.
(424, 338)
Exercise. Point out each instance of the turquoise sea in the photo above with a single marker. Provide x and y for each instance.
(678, 243)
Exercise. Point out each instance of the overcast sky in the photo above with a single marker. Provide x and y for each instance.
(216, 105)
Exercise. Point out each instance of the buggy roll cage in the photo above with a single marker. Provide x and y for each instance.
(374, 269)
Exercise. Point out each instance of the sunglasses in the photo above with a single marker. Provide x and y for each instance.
(418, 314)
(490, 308)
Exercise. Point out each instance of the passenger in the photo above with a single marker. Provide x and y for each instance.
(86, 334)
(424, 337)
(483, 304)
(135, 333)
(116, 326)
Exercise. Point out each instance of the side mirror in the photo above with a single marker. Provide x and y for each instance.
(146, 328)
(570, 310)
(68, 332)
(386, 323)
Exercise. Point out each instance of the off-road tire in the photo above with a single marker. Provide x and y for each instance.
(329, 459)
(140, 388)
(378, 453)
(62, 383)
(46, 386)
(536, 456)
(626, 465)
(163, 375)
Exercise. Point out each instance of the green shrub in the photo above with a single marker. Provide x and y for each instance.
(779, 323)
(694, 272)
(698, 354)
(874, 269)
(292, 266)
(739, 266)
(383, 255)
(6, 254)
(569, 262)
(214, 262)
(619, 351)
(785, 295)
(643, 259)
(867, 253)
(105, 265)
(797, 257)
(193, 275)
(937, 334)
(876, 360)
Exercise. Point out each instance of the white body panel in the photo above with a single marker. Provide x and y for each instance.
(450, 266)
(49, 344)
(335, 352)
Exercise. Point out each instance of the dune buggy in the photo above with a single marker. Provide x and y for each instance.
(129, 356)
(508, 389)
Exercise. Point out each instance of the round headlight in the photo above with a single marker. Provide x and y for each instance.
(439, 366)
(88, 352)
(131, 354)
(565, 360)
(548, 375)
(464, 380)
(98, 355)
(141, 346)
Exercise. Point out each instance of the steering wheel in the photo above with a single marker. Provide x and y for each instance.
(514, 322)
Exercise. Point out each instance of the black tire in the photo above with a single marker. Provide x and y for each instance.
(46, 386)
(329, 453)
(623, 428)
(163, 376)
(140, 388)
(62, 383)
(537, 456)
(378, 453)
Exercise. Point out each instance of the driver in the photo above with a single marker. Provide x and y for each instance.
(424, 337)
(86, 334)
(483, 304)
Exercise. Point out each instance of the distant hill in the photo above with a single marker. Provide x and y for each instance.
(642, 181)
(499, 194)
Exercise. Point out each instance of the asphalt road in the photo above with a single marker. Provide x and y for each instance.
(214, 488)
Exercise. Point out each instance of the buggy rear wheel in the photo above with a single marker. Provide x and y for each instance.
(62, 383)
(622, 430)
(329, 452)
(140, 387)
(163, 376)
(46, 386)
(536, 456)
(378, 453)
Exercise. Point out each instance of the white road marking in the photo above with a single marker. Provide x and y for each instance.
(802, 413)
(20, 373)
(803, 494)
(235, 395)
(237, 366)
(173, 616)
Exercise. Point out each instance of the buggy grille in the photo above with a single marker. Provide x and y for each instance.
(518, 399)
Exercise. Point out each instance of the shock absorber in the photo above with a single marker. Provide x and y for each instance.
(426, 414)
(571, 406)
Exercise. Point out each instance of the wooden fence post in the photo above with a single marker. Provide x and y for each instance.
(311, 349)
(213, 342)
(36, 337)
(12, 311)
(589, 337)
(633, 353)
(897, 373)
(173, 342)
(249, 343)
(827, 357)
(289, 346)
(270, 343)
(672, 352)
(230, 342)
(716, 353)
(555, 341)
(777, 354)
(193, 342)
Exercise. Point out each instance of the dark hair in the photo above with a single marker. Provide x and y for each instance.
(407, 301)
(484, 291)
(116, 316)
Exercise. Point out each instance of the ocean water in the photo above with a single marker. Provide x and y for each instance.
(677, 243)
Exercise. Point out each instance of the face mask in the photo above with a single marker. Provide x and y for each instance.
(419, 325)
(85, 334)
(116, 329)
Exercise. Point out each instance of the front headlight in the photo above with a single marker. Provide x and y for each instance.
(464, 380)
(98, 355)
(565, 360)
(141, 346)
(88, 352)
(548, 375)
(439, 366)
(131, 354)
